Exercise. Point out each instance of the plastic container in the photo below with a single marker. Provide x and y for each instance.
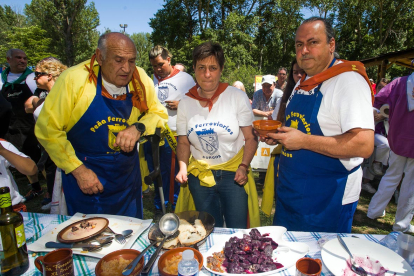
(188, 265)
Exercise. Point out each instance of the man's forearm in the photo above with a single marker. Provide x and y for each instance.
(24, 165)
(355, 143)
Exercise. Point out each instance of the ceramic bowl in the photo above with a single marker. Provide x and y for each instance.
(263, 127)
(170, 253)
(127, 254)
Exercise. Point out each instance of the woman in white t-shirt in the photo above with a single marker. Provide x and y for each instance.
(214, 125)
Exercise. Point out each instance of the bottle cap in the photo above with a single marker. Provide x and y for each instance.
(188, 254)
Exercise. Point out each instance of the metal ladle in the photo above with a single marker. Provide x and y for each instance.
(168, 224)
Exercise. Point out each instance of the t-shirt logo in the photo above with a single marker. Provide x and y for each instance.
(163, 93)
(113, 130)
(208, 140)
(294, 124)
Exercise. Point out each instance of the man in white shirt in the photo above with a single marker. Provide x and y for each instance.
(266, 99)
(329, 130)
(170, 84)
(18, 88)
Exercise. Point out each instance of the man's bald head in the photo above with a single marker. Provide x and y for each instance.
(116, 54)
(109, 39)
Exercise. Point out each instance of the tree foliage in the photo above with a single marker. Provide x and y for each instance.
(258, 35)
(143, 44)
(16, 33)
(70, 24)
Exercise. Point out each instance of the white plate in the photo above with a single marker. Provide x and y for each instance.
(334, 256)
(116, 223)
(287, 253)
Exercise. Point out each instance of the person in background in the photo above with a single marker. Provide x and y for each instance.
(373, 85)
(214, 125)
(269, 189)
(170, 85)
(18, 88)
(180, 67)
(89, 127)
(329, 130)
(240, 85)
(10, 156)
(266, 99)
(281, 79)
(295, 74)
(382, 150)
(399, 95)
(46, 73)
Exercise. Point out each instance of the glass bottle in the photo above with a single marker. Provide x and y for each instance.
(14, 259)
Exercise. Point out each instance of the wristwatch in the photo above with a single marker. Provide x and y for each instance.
(140, 127)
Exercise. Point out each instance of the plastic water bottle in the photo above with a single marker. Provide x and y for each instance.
(188, 265)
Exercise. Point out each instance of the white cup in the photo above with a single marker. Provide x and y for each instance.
(406, 247)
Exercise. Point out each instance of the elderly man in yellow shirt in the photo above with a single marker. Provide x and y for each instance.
(89, 126)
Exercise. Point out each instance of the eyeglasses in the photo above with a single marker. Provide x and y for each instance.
(38, 74)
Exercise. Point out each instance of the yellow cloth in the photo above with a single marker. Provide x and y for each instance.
(269, 184)
(143, 166)
(70, 98)
(201, 169)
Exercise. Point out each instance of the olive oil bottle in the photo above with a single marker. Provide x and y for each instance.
(14, 259)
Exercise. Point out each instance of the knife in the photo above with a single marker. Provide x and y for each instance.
(71, 245)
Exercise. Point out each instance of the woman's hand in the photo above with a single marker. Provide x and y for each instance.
(182, 176)
(241, 176)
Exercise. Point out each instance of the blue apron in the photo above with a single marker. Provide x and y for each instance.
(93, 137)
(311, 185)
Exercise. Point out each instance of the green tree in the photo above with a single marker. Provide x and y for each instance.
(174, 24)
(71, 24)
(143, 43)
(29, 39)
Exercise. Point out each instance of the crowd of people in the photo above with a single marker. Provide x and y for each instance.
(84, 128)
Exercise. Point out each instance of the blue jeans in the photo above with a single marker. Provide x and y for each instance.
(226, 198)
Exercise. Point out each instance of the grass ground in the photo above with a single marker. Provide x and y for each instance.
(361, 224)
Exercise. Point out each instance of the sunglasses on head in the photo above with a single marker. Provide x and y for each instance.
(38, 74)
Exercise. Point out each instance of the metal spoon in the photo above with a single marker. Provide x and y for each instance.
(357, 269)
(105, 240)
(168, 225)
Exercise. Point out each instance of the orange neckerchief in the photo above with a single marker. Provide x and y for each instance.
(174, 72)
(333, 71)
(192, 93)
(139, 97)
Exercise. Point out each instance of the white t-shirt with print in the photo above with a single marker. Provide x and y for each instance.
(346, 104)
(173, 89)
(215, 136)
(6, 178)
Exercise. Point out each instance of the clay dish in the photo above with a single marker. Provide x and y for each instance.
(263, 127)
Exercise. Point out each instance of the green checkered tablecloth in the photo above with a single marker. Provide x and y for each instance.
(37, 225)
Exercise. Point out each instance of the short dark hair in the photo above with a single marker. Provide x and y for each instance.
(206, 50)
(330, 33)
(282, 68)
(159, 51)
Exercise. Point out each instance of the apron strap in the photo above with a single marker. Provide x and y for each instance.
(319, 97)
